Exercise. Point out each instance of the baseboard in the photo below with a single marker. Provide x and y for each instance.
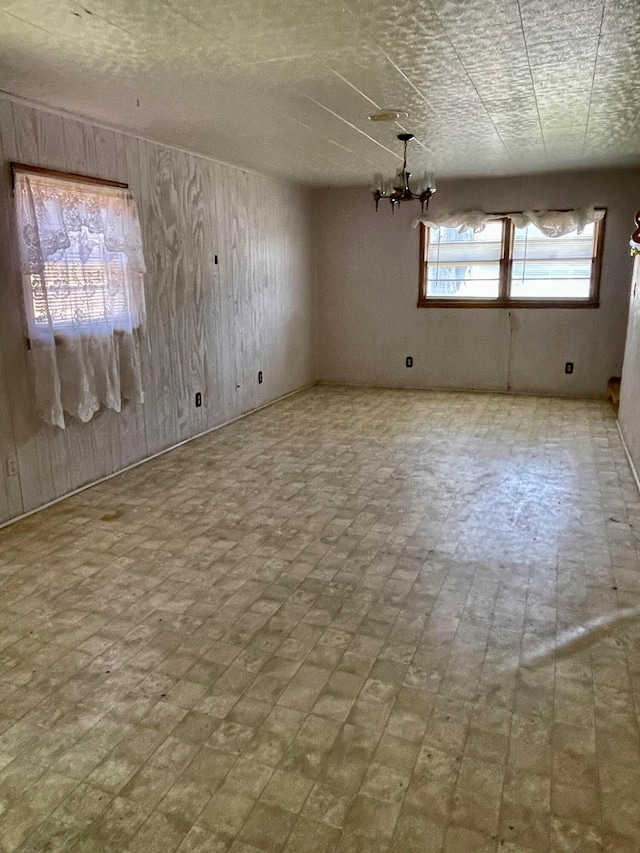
(628, 455)
(502, 391)
(153, 456)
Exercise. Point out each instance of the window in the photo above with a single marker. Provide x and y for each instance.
(464, 266)
(81, 253)
(504, 265)
(552, 267)
(82, 275)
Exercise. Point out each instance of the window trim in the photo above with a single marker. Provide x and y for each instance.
(506, 264)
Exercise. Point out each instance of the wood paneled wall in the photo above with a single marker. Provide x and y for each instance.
(211, 328)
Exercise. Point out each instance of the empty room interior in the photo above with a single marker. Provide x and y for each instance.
(319, 426)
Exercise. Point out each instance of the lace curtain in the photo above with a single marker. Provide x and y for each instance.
(557, 223)
(466, 220)
(82, 273)
(551, 223)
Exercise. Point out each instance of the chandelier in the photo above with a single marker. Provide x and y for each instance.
(397, 189)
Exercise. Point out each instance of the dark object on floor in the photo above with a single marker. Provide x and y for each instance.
(614, 392)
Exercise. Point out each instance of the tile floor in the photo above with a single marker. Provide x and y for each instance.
(356, 621)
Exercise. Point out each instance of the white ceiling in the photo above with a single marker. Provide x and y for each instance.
(285, 86)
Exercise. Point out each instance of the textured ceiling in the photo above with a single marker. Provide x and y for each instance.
(285, 86)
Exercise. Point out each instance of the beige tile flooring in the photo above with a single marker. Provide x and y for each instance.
(357, 621)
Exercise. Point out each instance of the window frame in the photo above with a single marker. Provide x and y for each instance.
(504, 300)
(27, 306)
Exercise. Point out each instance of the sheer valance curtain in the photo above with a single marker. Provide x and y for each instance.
(83, 283)
(551, 223)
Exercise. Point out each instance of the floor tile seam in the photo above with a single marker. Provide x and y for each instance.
(156, 808)
(463, 749)
(635, 703)
(510, 725)
(451, 643)
(553, 781)
(146, 763)
(45, 816)
(297, 815)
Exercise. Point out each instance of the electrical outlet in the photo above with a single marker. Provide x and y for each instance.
(198, 399)
(409, 361)
(12, 467)
(568, 368)
(259, 377)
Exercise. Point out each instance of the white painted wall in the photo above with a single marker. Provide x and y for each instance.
(367, 268)
(629, 414)
(210, 328)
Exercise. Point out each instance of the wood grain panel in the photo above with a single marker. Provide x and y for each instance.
(131, 421)
(10, 491)
(145, 213)
(163, 297)
(225, 290)
(19, 129)
(213, 391)
(210, 327)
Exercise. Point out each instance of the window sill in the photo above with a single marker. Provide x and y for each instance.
(514, 303)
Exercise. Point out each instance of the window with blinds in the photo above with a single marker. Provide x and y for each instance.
(503, 266)
(464, 266)
(552, 267)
